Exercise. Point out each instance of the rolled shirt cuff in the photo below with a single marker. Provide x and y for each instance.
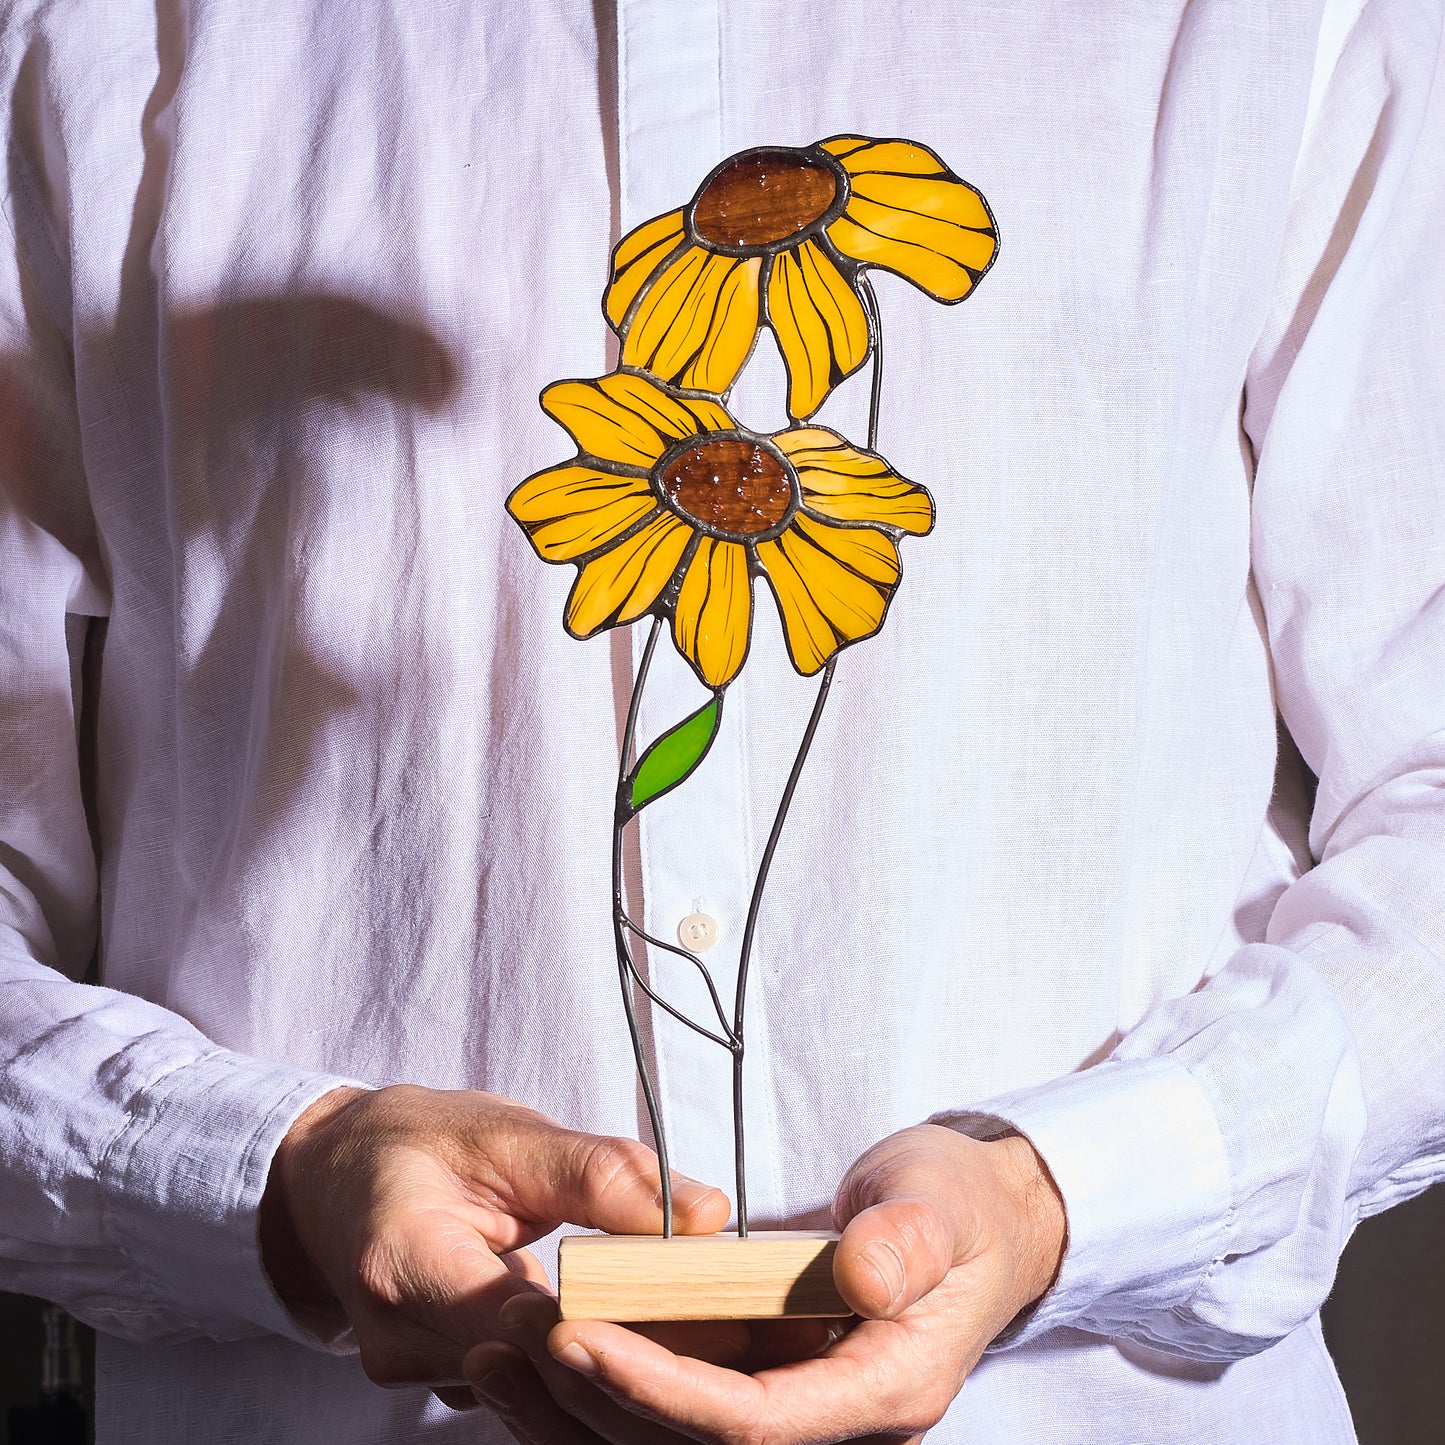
(1136, 1151)
(183, 1184)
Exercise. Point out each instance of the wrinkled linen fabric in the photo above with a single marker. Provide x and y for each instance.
(279, 287)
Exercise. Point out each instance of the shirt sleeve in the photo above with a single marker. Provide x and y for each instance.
(133, 1151)
(1214, 1166)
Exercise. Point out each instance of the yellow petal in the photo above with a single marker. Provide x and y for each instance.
(848, 485)
(645, 237)
(802, 337)
(841, 145)
(731, 331)
(817, 446)
(570, 490)
(941, 197)
(939, 275)
(626, 580)
(832, 584)
(660, 306)
(567, 538)
(820, 324)
(673, 416)
(628, 419)
(637, 257)
(962, 244)
(695, 324)
(871, 554)
(891, 503)
(714, 611)
(709, 337)
(900, 157)
(908, 213)
(570, 511)
(669, 335)
(601, 426)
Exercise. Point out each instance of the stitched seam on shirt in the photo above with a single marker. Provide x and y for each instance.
(23, 191)
(1350, 1204)
(268, 1288)
(109, 1175)
(1231, 1213)
(248, 1160)
(167, 1310)
(721, 93)
(1308, 138)
(1225, 1230)
(624, 121)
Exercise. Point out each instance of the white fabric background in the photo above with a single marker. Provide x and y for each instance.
(278, 290)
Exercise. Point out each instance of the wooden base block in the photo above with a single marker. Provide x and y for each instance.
(632, 1277)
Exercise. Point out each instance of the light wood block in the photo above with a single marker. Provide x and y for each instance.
(632, 1277)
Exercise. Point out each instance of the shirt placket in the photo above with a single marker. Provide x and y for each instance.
(693, 847)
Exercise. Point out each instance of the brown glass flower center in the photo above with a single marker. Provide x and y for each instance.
(762, 198)
(729, 485)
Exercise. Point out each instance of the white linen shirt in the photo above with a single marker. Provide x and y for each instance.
(279, 288)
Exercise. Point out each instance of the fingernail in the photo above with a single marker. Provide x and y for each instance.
(497, 1388)
(525, 1314)
(888, 1264)
(576, 1358)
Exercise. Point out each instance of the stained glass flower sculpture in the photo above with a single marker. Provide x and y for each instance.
(672, 510)
(670, 507)
(781, 235)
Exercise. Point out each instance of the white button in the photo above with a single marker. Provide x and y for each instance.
(698, 931)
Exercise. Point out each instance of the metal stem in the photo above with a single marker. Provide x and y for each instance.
(725, 1039)
(875, 327)
(625, 968)
(745, 955)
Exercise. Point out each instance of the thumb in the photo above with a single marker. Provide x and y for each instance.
(891, 1255)
(603, 1182)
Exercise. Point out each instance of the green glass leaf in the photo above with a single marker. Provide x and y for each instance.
(674, 755)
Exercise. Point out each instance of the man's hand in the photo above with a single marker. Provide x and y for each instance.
(945, 1241)
(406, 1212)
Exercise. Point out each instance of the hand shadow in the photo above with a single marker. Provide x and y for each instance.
(206, 424)
(267, 386)
(244, 380)
(315, 346)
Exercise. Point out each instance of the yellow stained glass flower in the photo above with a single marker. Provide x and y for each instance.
(671, 508)
(781, 235)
